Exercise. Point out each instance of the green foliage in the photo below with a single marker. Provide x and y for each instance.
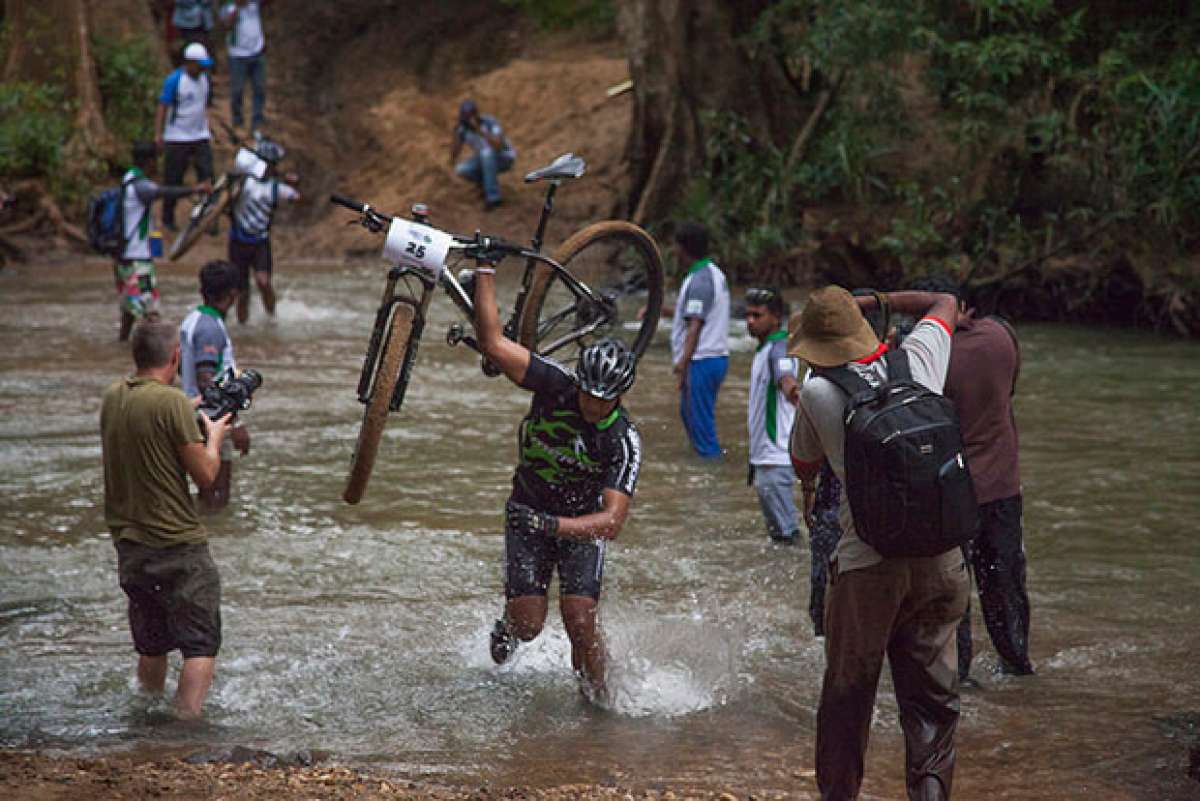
(1052, 118)
(595, 15)
(34, 124)
(126, 72)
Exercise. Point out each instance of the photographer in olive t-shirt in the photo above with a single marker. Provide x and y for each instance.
(151, 444)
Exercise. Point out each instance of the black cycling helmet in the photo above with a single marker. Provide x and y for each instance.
(268, 151)
(606, 369)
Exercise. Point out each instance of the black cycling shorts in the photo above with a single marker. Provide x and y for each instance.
(247, 256)
(174, 598)
(530, 560)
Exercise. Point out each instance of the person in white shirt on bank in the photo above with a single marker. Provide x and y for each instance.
(247, 59)
(774, 392)
(181, 124)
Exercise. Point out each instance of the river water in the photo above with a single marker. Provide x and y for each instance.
(362, 630)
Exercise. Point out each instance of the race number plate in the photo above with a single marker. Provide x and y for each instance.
(415, 245)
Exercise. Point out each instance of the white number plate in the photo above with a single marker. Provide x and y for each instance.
(414, 245)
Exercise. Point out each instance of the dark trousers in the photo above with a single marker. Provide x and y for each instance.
(255, 69)
(907, 609)
(176, 158)
(823, 538)
(997, 557)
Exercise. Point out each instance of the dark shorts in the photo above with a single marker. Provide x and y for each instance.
(174, 598)
(530, 560)
(247, 256)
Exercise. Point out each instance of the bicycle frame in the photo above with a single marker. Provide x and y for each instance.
(454, 289)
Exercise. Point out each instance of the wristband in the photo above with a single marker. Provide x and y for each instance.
(485, 270)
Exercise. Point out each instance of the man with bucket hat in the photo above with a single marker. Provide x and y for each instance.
(181, 124)
(906, 608)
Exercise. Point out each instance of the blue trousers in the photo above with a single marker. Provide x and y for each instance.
(254, 68)
(698, 403)
(483, 168)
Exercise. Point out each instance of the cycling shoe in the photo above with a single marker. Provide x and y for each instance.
(503, 642)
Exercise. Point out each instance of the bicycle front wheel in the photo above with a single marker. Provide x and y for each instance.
(389, 367)
(200, 220)
(621, 264)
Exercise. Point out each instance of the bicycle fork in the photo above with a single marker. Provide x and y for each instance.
(380, 333)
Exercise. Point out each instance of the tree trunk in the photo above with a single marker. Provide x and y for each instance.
(686, 58)
(50, 42)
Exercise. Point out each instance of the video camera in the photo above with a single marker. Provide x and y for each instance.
(230, 394)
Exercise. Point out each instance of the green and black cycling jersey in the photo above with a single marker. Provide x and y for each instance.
(566, 463)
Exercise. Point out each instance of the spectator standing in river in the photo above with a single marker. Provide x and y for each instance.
(181, 124)
(247, 60)
(699, 338)
(134, 273)
(493, 154)
(774, 391)
(904, 608)
(150, 444)
(985, 361)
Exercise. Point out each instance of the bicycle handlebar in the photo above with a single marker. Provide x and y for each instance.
(477, 246)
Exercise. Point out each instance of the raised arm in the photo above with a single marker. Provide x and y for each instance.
(918, 304)
(509, 356)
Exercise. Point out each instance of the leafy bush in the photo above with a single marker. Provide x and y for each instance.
(34, 124)
(597, 15)
(126, 72)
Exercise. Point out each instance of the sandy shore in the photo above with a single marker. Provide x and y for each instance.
(28, 776)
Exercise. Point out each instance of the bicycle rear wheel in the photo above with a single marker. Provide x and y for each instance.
(201, 218)
(390, 366)
(620, 263)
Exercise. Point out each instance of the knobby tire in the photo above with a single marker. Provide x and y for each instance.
(191, 232)
(600, 232)
(390, 365)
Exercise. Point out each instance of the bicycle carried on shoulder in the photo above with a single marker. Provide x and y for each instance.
(592, 287)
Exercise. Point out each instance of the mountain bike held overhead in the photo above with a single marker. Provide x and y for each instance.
(590, 290)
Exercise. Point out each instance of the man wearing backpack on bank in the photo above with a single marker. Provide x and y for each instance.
(181, 124)
(904, 607)
(133, 271)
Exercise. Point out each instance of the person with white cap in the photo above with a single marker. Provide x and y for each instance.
(181, 124)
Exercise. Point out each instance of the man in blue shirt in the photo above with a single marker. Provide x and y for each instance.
(181, 124)
(493, 152)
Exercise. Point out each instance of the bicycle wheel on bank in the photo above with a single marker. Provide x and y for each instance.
(390, 365)
(620, 262)
(210, 210)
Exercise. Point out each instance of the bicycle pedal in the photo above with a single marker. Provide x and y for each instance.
(455, 334)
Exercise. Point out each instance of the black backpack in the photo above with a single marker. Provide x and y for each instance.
(907, 479)
(106, 220)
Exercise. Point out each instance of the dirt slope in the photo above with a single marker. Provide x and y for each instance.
(366, 95)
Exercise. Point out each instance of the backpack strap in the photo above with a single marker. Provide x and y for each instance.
(844, 379)
(898, 370)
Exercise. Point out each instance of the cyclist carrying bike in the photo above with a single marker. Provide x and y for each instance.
(580, 454)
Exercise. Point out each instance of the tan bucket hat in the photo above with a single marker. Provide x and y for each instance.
(830, 330)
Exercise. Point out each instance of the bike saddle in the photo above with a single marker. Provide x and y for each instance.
(568, 165)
